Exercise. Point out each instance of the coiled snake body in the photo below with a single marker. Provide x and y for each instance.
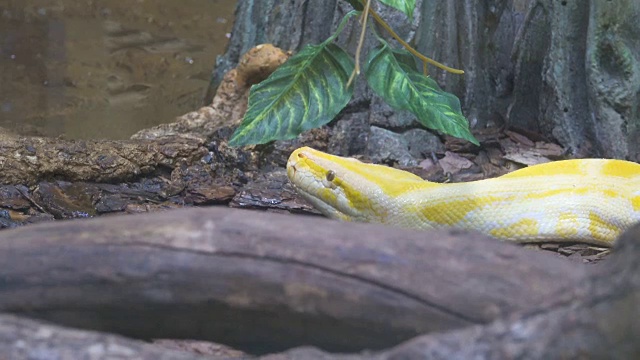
(585, 200)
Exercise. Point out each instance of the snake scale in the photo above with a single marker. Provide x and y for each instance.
(584, 200)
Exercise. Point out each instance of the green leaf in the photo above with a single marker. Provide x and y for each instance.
(406, 6)
(393, 76)
(304, 93)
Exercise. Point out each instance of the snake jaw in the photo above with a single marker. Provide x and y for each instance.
(326, 210)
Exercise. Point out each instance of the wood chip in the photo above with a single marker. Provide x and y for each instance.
(549, 149)
(519, 138)
(453, 163)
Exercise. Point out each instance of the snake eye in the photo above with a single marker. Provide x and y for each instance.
(331, 175)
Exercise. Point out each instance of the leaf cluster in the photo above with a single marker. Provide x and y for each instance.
(311, 88)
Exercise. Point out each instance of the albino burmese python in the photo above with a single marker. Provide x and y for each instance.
(586, 200)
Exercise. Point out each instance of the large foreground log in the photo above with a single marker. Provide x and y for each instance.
(603, 324)
(22, 339)
(265, 282)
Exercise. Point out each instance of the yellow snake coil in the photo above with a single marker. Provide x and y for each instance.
(585, 200)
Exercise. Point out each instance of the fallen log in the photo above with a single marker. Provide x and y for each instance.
(604, 323)
(28, 160)
(265, 282)
(22, 339)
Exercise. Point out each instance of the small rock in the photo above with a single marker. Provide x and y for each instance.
(349, 136)
(6, 223)
(384, 116)
(386, 147)
(278, 152)
(259, 62)
(12, 198)
(422, 143)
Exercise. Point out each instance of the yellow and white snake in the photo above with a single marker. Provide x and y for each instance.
(586, 200)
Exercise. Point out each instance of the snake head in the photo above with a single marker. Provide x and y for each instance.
(345, 188)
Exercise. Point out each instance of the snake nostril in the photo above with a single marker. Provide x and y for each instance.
(301, 156)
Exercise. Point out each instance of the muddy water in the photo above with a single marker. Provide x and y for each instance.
(108, 68)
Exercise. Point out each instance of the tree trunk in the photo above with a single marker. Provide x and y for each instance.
(569, 70)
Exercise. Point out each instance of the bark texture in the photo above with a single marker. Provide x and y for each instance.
(22, 339)
(288, 25)
(569, 70)
(27, 160)
(267, 282)
(275, 283)
(604, 323)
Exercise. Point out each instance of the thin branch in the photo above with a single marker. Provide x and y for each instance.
(425, 59)
(356, 69)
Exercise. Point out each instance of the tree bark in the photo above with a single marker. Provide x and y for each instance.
(287, 25)
(604, 323)
(265, 282)
(144, 278)
(28, 160)
(26, 339)
(569, 70)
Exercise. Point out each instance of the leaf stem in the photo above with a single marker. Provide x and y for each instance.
(343, 22)
(356, 69)
(425, 59)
